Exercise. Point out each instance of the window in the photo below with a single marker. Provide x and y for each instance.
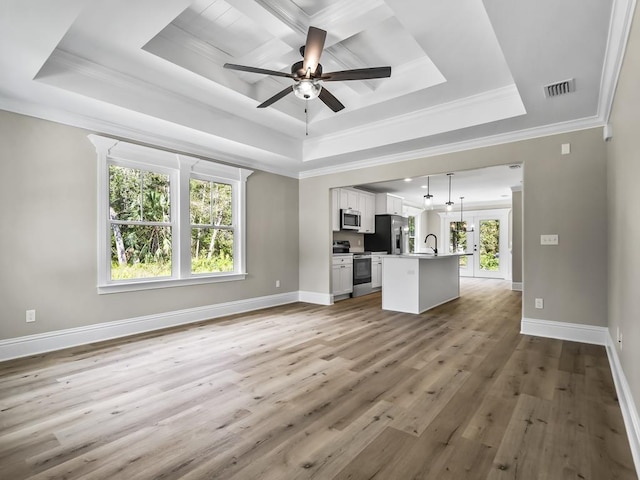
(458, 240)
(211, 226)
(139, 223)
(167, 219)
(412, 234)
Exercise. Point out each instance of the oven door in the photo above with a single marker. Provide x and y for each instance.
(361, 270)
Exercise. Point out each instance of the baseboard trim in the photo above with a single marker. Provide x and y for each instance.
(573, 332)
(315, 297)
(517, 286)
(626, 401)
(57, 340)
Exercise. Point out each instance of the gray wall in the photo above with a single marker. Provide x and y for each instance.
(48, 246)
(566, 195)
(624, 227)
(563, 194)
(516, 236)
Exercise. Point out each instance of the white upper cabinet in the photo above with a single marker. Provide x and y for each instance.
(349, 199)
(388, 204)
(363, 202)
(367, 208)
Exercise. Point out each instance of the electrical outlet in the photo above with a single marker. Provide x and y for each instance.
(277, 283)
(539, 303)
(31, 316)
(549, 239)
(619, 337)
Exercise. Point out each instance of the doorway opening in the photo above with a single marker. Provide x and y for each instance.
(483, 239)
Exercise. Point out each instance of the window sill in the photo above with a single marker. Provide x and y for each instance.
(146, 284)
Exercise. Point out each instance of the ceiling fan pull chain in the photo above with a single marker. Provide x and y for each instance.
(306, 117)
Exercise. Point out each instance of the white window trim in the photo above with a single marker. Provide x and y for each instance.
(180, 168)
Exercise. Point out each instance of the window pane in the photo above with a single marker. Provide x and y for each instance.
(155, 192)
(124, 193)
(136, 195)
(200, 209)
(210, 203)
(211, 250)
(140, 251)
(490, 245)
(222, 204)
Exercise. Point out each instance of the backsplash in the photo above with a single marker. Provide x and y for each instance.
(356, 239)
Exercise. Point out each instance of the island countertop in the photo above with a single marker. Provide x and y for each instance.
(428, 256)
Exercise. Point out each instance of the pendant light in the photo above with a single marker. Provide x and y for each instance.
(449, 203)
(465, 229)
(427, 198)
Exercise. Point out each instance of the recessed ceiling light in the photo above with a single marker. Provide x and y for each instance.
(423, 186)
(407, 179)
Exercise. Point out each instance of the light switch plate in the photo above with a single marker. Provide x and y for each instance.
(566, 148)
(549, 239)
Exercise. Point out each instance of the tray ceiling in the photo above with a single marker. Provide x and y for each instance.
(462, 72)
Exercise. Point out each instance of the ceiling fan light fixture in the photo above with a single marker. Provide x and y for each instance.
(307, 89)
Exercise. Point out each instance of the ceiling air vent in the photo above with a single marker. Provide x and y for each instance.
(560, 88)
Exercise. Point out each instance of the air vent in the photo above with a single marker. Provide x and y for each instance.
(560, 88)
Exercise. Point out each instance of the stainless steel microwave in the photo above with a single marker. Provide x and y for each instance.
(349, 219)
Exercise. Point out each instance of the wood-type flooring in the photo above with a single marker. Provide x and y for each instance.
(303, 391)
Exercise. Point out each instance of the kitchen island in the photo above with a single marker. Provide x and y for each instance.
(414, 283)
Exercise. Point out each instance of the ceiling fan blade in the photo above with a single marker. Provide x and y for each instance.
(244, 68)
(330, 101)
(276, 97)
(357, 74)
(313, 49)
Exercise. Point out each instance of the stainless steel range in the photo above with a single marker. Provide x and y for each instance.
(362, 269)
(362, 274)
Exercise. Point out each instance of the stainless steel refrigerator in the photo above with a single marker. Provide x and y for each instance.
(391, 236)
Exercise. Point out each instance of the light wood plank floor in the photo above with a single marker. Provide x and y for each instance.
(305, 391)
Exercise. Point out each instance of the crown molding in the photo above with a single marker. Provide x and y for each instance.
(118, 130)
(494, 105)
(527, 134)
(619, 28)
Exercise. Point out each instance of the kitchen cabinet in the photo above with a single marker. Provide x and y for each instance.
(376, 271)
(342, 275)
(349, 199)
(388, 204)
(367, 208)
(363, 202)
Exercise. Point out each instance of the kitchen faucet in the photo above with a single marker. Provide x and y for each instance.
(435, 248)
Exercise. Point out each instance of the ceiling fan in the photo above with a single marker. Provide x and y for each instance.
(308, 76)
